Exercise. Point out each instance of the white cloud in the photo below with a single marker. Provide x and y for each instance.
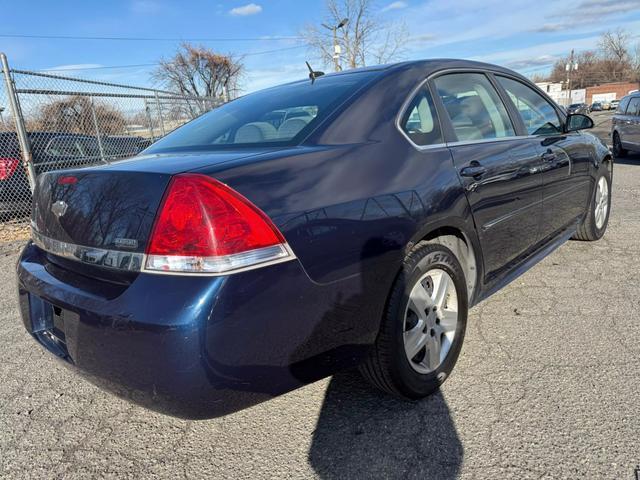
(395, 6)
(73, 67)
(249, 9)
(145, 7)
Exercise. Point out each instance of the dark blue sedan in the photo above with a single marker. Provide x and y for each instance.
(347, 220)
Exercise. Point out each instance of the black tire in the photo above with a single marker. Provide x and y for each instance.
(618, 151)
(387, 366)
(588, 229)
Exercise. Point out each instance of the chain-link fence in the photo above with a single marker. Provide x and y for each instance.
(51, 122)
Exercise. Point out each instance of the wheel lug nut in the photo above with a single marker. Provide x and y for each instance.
(437, 321)
(435, 309)
(433, 332)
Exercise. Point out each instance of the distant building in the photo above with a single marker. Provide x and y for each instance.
(610, 91)
(560, 96)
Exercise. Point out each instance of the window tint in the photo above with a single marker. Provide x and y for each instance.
(634, 106)
(474, 107)
(420, 122)
(276, 116)
(538, 115)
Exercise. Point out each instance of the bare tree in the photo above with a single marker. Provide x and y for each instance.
(615, 45)
(614, 61)
(364, 39)
(74, 114)
(200, 71)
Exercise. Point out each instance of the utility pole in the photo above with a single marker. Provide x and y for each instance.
(570, 67)
(337, 49)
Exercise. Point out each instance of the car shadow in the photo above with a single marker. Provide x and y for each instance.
(364, 433)
(630, 159)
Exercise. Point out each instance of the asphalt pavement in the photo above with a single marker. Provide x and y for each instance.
(546, 387)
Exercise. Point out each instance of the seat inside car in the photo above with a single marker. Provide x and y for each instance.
(256, 132)
(292, 126)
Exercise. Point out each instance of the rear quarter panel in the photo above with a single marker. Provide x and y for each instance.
(352, 204)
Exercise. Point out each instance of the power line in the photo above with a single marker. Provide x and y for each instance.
(151, 39)
(153, 64)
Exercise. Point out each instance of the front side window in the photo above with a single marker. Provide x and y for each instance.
(622, 106)
(277, 116)
(420, 122)
(474, 107)
(538, 115)
(634, 106)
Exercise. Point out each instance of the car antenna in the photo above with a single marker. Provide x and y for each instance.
(313, 74)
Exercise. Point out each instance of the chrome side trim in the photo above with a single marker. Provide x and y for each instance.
(137, 262)
(489, 140)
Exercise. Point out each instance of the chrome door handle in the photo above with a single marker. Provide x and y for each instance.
(473, 171)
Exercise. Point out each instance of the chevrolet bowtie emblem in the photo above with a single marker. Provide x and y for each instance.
(59, 208)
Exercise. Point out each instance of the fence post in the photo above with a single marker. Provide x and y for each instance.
(95, 125)
(21, 131)
(160, 114)
(146, 109)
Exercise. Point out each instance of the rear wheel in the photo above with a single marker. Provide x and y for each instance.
(424, 325)
(595, 222)
(618, 151)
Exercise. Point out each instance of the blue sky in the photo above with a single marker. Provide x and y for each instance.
(526, 35)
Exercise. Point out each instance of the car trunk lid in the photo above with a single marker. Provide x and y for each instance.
(102, 209)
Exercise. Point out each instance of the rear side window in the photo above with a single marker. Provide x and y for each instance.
(420, 122)
(474, 107)
(538, 115)
(634, 106)
(622, 106)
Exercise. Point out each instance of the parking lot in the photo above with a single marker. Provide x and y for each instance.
(546, 387)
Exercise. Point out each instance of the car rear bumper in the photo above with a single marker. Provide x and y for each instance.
(194, 347)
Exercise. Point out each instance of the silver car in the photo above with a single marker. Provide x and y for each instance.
(625, 125)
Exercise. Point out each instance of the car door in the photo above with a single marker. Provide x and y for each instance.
(632, 128)
(619, 120)
(564, 157)
(496, 166)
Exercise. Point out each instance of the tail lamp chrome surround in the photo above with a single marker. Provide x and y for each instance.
(165, 264)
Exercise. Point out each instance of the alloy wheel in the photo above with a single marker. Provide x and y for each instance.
(601, 202)
(430, 320)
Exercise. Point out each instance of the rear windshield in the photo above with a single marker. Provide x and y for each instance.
(278, 116)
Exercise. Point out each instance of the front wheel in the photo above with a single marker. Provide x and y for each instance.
(423, 327)
(597, 218)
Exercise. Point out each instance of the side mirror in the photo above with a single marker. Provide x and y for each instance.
(578, 121)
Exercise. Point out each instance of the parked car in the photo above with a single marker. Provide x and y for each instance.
(52, 151)
(614, 104)
(236, 260)
(596, 107)
(625, 126)
(582, 108)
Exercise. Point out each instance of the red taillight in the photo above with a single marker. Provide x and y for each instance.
(7, 167)
(203, 226)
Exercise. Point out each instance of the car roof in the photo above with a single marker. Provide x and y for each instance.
(428, 67)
